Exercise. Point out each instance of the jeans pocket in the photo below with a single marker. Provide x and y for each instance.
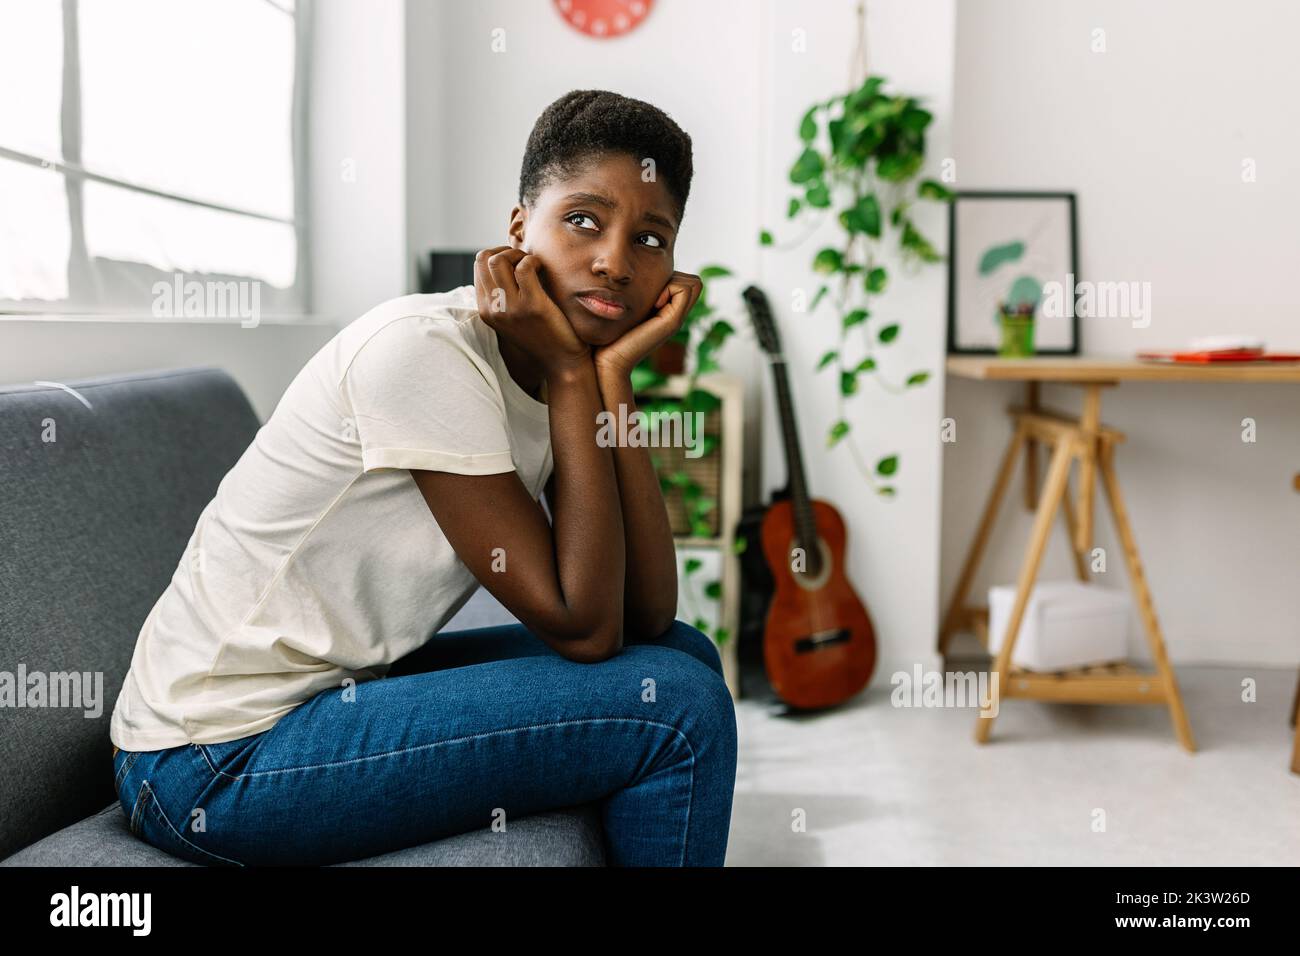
(228, 758)
(151, 824)
(123, 760)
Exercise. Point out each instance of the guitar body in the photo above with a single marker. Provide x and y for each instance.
(819, 646)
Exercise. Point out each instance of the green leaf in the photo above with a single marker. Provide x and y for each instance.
(808, 126)
(838, 431)
(795, 206)
(865, 92)
(915, 243)
(701, 400)
(888, 465)
(818, 196)
(848, 383)
(693, 565)
(835, 128)
(889, 333)
(644, 377)
(996, 255)
(876, 279)
(827, 359)
(856, 317)
(914, 118)
(886, 490)
(721, 635)
(818, 297)
(930, 189)
(828, 260)
(863, 216)
(740, 544)
(868, 364)
(713, 590)
(719, 331)
(897, 167)
(808, 166)
(713, 272)
(701, 624)
(764, 238)
(917, 378)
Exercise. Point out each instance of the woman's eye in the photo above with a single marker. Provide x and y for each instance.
(579, 215)
(658, 243)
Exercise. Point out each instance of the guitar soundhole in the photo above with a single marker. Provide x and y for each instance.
(821, 640)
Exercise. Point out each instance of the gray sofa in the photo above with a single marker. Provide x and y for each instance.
(92, 526)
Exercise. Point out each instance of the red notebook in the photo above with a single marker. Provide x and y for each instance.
(1221, 355)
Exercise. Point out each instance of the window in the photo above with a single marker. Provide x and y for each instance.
(148, 140)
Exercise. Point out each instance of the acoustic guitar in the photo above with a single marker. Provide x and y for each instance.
(819, 646)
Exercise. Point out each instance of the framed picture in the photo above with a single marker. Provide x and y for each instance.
(1012, 252)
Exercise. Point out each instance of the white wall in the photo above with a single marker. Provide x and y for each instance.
(262, 359)
(725, 72)
(1152, 134)
(357, 156)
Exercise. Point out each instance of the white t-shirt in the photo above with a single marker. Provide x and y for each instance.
(318, 559)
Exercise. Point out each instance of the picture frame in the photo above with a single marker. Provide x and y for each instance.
(1001, 244)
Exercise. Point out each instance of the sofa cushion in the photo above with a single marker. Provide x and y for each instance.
(567, 837)
(94, 524)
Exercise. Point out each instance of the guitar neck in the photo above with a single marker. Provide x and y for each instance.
(799, 500)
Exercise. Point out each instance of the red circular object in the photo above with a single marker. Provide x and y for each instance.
(604, 18)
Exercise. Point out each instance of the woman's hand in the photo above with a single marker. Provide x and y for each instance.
(675, 301)
(512, 301)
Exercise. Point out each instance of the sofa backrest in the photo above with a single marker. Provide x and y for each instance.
(101, 483)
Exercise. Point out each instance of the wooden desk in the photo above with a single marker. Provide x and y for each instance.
(1048, 368)
(1083, 438)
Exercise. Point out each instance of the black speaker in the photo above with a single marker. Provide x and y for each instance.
(441, 271)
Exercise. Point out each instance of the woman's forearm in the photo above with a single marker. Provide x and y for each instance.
(650, 578)
(588, 525)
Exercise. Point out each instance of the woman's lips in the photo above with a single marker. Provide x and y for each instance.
(602, 307)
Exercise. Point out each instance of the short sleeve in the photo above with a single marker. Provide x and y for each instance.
(422, 397)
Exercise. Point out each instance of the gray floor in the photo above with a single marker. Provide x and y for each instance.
(880, 785)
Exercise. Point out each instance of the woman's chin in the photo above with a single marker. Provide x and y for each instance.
(596, 332)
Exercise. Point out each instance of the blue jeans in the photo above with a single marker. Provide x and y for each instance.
(476, 728)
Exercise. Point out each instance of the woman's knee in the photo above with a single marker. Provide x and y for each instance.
(698, 700)
(690, 640)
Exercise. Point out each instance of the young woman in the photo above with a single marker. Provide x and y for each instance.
(289, 700)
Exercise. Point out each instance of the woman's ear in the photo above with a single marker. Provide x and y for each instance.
(517, 229)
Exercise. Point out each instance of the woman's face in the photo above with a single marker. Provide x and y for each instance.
(604, 235)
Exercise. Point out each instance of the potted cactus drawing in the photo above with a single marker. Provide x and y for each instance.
(1015, 312)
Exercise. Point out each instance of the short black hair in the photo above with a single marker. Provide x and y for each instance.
(584, 123)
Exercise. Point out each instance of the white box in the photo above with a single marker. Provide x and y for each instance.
(1067, 624)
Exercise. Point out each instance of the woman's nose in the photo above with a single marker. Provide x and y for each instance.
(614, 264)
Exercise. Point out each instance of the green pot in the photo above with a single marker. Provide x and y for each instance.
(1017, 335)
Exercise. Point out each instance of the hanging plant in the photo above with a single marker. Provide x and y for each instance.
(862, 170)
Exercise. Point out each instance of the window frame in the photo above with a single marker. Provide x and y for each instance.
(291, 303)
